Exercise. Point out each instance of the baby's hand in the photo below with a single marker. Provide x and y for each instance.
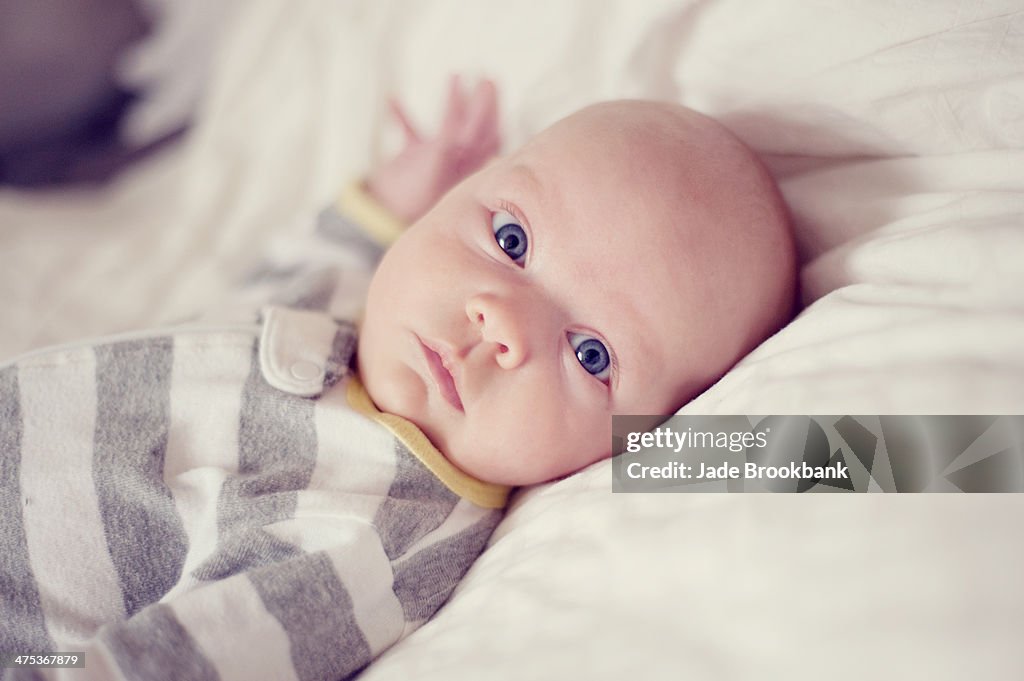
(413, 181)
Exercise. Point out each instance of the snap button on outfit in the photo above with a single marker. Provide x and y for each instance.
(304, 370)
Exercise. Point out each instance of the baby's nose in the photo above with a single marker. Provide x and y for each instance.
(501, 325)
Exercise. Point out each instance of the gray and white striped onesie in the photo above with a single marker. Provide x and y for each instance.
(221, 503)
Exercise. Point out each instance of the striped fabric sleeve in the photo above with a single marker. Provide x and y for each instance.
(319, 615)
(294, 619)
(310, 617)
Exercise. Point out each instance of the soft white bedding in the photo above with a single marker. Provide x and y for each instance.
(897, 132)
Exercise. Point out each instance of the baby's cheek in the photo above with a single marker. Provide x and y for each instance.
(573, 443)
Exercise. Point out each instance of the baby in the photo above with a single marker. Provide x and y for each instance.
(620, 262)
(288, 498)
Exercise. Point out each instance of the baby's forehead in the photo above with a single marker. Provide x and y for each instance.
(628, 185)
(583, 213)
(635, 126)
(650, 153)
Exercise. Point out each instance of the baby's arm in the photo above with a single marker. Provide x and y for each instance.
(409, 184)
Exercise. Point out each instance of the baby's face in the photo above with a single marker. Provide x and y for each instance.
(547, 292)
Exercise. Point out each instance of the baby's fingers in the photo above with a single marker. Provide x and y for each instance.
(455, 111)
(411, 134)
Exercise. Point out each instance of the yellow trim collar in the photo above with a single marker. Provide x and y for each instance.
(484, 494)
(379, 223)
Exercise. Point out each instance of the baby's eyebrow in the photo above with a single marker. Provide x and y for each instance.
(524, 169)
(525, 177)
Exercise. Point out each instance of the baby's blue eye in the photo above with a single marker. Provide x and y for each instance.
(510, 235)
(592, 355)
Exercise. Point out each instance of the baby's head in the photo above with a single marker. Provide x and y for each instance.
(619, 263)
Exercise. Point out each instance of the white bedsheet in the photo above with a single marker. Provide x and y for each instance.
(897, 132)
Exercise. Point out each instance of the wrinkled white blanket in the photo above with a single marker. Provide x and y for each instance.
(897, 132)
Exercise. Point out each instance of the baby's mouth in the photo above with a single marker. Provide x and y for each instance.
(442, 376)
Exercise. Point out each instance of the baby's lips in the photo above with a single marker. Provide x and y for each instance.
(444, 379)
